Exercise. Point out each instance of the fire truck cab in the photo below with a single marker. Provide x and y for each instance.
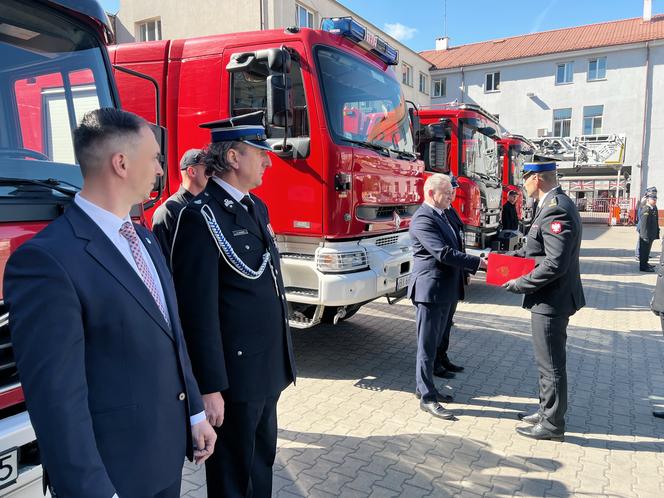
(344, 180)
(53, 68)
(462, 140)
(514, 151)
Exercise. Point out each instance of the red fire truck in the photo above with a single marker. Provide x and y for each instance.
(514, 151)
(462, 140)
(53, 68)
(344, 180)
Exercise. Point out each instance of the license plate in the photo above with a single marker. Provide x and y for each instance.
(402, 282)
(8, 467)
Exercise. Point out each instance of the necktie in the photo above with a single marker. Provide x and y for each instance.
(446, 222)
(251, 208)
(128, 231)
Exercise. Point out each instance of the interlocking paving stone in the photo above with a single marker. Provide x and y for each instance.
(352, 427)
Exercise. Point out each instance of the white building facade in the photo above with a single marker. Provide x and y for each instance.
(142, 20)
(603, 90)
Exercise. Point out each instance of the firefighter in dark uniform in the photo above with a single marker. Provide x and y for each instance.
(165, 216)
(552, 291)
(509, 216)
(648, 231)
(233, 310)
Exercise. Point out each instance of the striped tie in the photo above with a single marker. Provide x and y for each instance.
(128, 231)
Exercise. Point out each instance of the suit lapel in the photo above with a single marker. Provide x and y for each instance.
(108, 256)
(447, 229)
(242, 217)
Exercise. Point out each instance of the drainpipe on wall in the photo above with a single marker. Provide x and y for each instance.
(260, 5)
(645, 140)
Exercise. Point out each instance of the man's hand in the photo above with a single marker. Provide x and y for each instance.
(483, 264)
(214, 408)
(467, 279)
(510, 286)
(203, 437)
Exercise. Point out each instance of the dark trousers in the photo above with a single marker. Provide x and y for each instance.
(431, 319)
(549, 340)
(644, 253)
(241, 465)
(172, 491)
(441, 353)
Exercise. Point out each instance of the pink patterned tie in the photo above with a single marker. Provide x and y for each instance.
(128, 231)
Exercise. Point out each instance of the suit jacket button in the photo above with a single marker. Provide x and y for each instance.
(182, 396)
(239, 353)
(247, 247)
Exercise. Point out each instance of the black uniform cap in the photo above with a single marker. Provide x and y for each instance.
(247, 128)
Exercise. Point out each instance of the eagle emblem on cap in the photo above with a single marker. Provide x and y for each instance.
(228, 203)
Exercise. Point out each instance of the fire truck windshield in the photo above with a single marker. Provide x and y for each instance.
(517, 158)
(52, 71)
(363, 103)
(479, 155)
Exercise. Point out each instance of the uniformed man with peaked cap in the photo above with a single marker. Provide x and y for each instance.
(552, 292)
(234, 314)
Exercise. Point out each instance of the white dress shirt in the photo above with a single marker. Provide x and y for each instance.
(110, 224)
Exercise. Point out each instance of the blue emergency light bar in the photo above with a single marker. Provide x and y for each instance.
(353, 30)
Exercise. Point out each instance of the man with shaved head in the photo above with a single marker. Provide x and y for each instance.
(436, 283)
(96, 332)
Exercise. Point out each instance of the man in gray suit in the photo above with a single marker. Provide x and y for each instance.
(552, 292)
(436, 283)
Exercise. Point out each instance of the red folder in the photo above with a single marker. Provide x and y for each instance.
(501, 268)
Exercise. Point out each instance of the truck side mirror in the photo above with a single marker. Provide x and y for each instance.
(160, 135)
(279, 100)
(488, 131)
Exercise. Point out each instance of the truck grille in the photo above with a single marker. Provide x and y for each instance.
(8, 372)
(387, 241)
(385, 213)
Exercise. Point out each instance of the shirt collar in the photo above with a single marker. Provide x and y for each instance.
(437, 210)
(109, 223)
(234, 193)
(547, 194)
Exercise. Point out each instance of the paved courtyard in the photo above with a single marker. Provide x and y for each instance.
(352, 426)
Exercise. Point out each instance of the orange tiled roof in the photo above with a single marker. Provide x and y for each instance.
(549, 42)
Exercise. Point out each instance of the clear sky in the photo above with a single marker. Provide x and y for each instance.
(417, 23)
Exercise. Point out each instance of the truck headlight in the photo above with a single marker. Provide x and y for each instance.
(341, 261)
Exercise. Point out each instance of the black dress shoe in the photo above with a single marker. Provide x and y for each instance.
(533, 418)
(436, 409)
(448, 365)
(540, 432)
(648, 269)
(443, 398)
(443, 373)
(658, 414)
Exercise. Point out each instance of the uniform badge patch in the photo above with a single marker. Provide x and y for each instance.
(237, 233)
(228, 203)
(556, 227)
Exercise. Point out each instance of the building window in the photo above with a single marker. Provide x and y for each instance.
(440, 87)
(597, 69)
(148, 30)
(492, 82)
(424, 88)
(304, 18)
(564, 73)
(407, 76)
(592, 119)
(562, 122)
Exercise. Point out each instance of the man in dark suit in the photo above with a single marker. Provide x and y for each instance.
(96, 333)
(509, 218)
(233, 308)
(648, 231)
(443, 367)
(436, 283)
(165, 216)
(552, 292)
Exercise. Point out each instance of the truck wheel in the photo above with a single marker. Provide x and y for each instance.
(330, 311)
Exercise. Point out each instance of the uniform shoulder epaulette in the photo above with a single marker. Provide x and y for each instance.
(553, 202)
(200, 201)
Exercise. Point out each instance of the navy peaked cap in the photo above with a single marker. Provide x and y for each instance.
(247, 128)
